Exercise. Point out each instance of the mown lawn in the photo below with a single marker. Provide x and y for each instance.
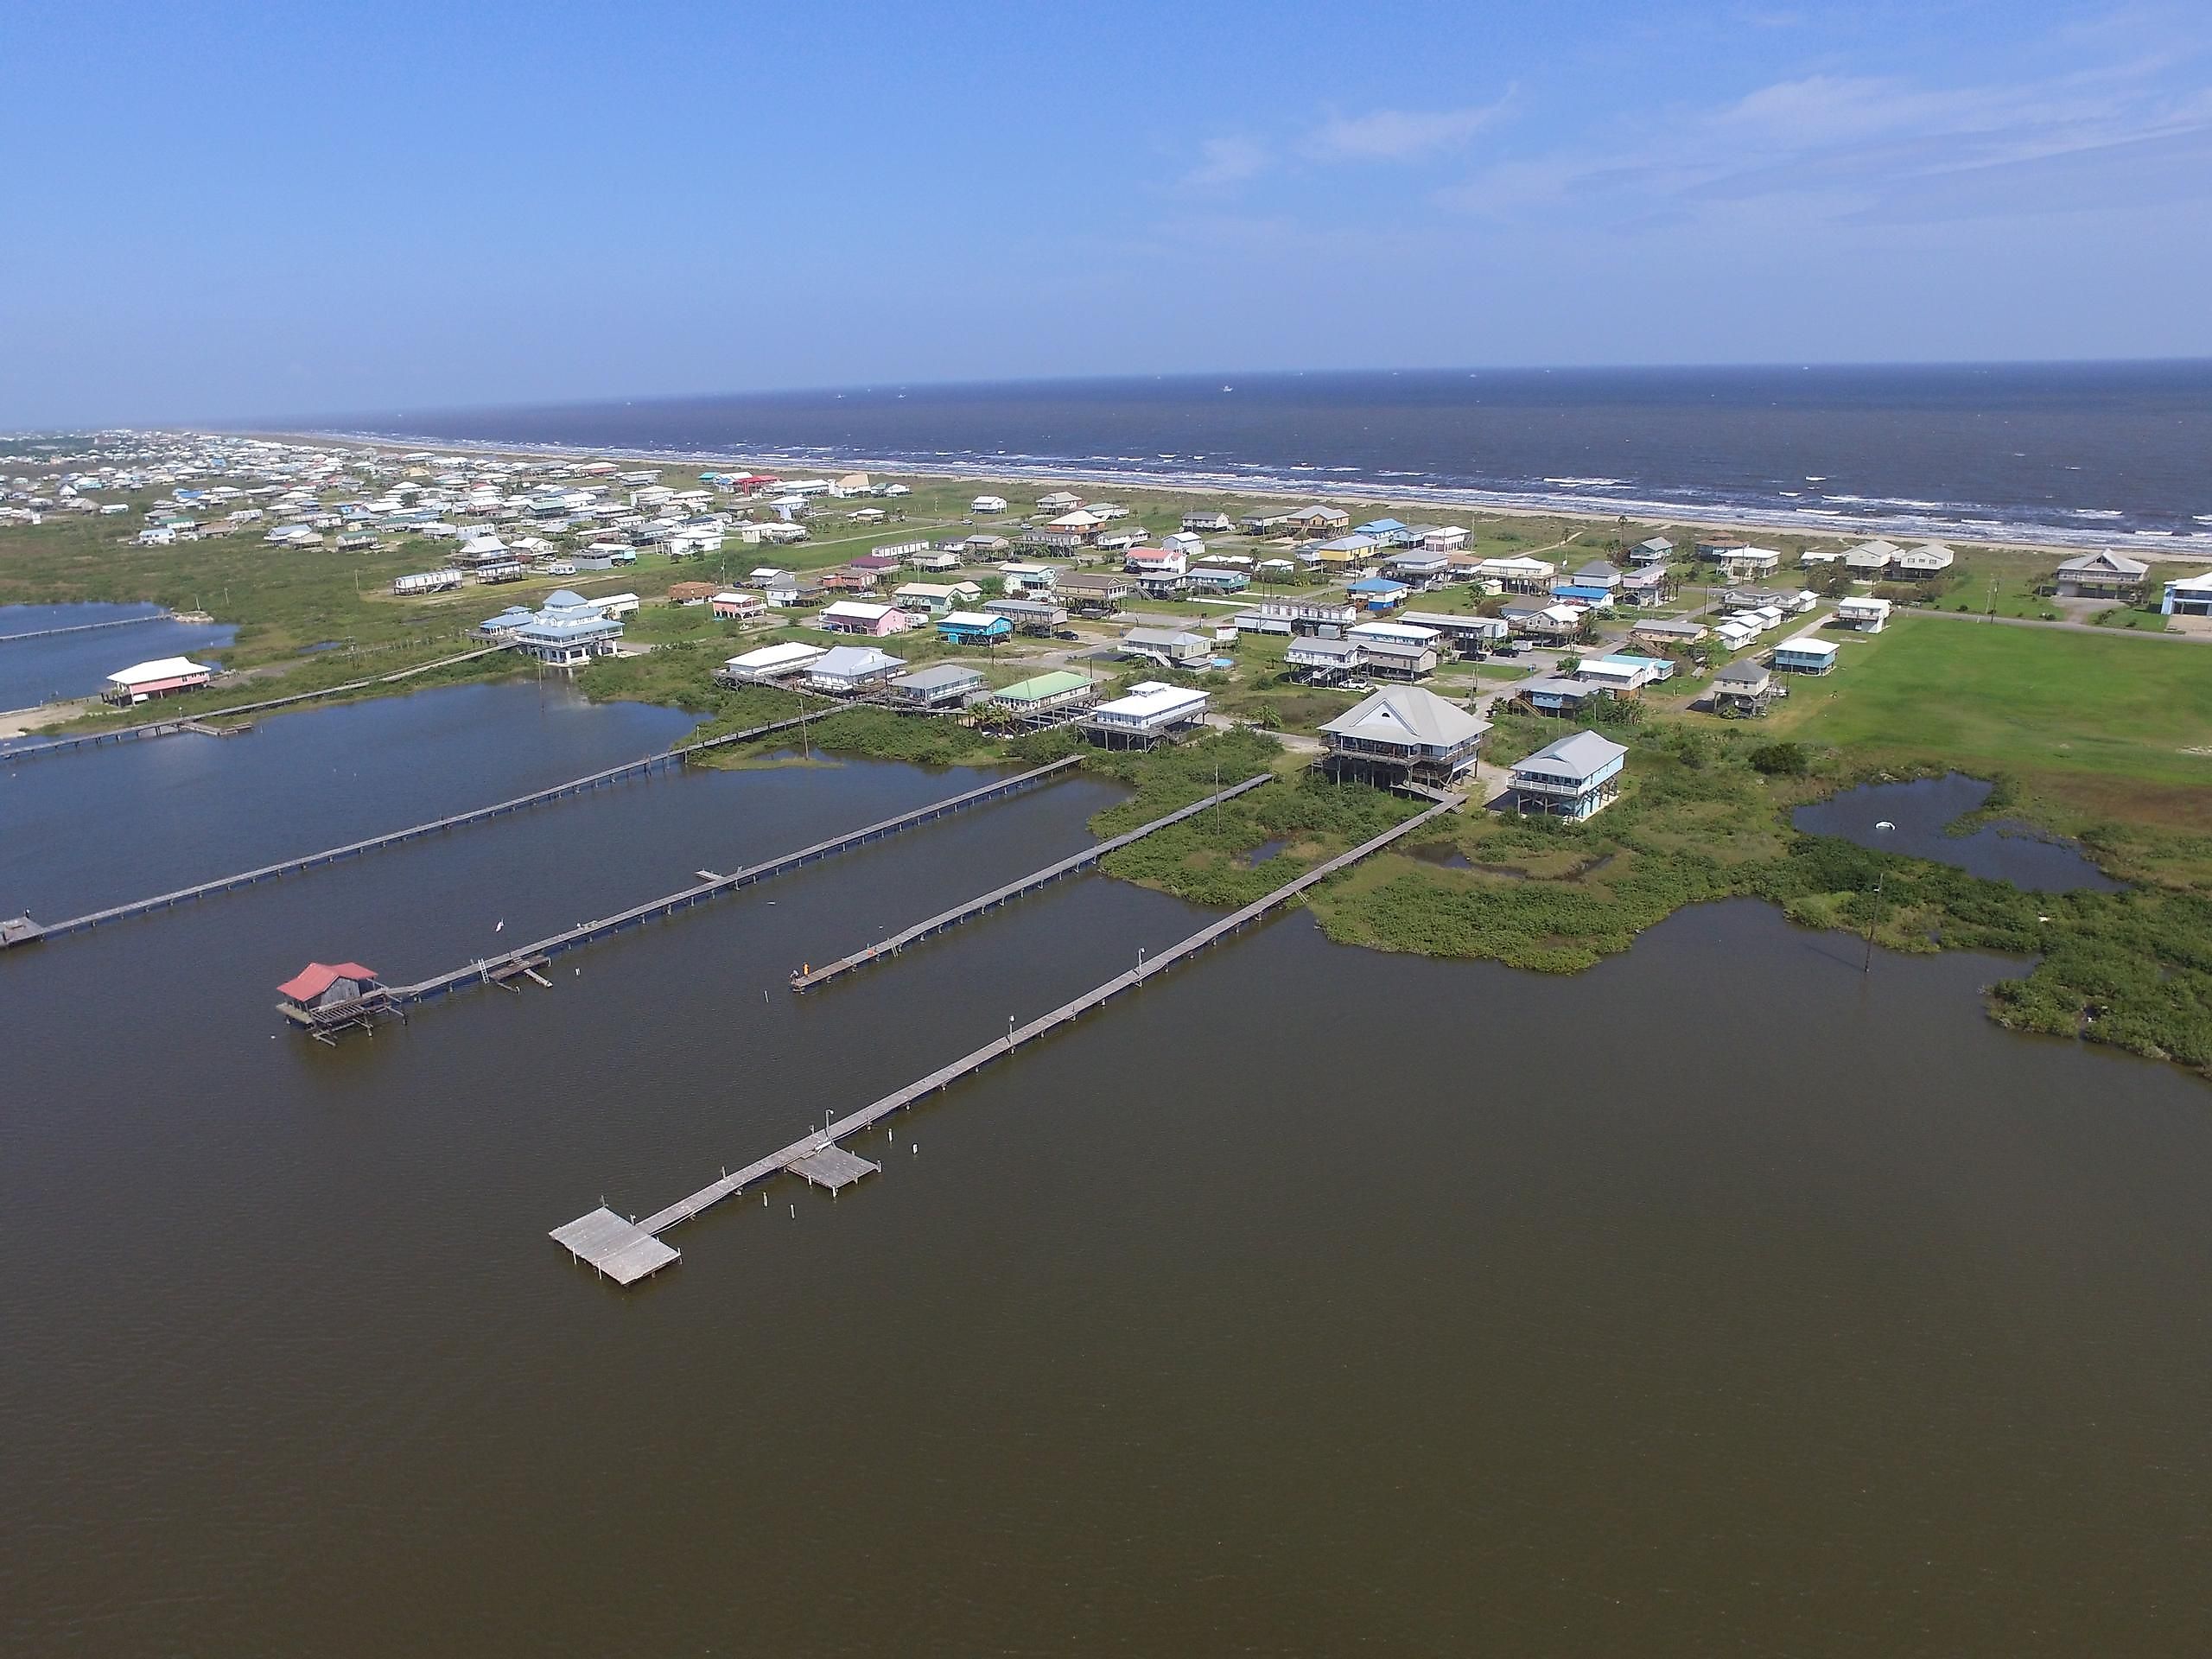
(2116, 727)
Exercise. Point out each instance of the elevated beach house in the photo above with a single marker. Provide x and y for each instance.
(845, 670)
(1742, 691)
(1148, 712)
(770, 663)
(941, 685)
(1862, 613)
(2102, 575)
(1169, 648)
(162, 677)
(1576, 777)
(973, 627)
(1806, 655)
(1045, 700)
(2188, 596)
(568, 631)
(1403, 734)
(734, 605)
(863, 617)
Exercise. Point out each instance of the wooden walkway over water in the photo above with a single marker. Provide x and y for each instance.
(710, 885)
(185, 723)
(85, 627)
(640, 768)
(626, 1251)
(807, 980)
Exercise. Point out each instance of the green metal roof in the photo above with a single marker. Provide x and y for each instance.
(1058, 684)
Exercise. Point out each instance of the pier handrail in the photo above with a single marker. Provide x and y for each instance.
(584, 932)
(715, 1191)
(330, 854)
(807, 980)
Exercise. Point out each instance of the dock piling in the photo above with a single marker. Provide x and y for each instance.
(820, 1146)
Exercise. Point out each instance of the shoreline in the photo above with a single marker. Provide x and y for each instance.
(1821, 524)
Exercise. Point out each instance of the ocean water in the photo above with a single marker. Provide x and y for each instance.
(2068, 454)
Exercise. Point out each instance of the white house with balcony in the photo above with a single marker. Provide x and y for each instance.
(1575, 777)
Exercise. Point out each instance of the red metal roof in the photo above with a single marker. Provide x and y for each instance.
(319, 976)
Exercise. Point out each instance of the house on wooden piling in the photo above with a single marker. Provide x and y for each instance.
(1403, 734)
(769, 663)
(1150, 711)
(942, 685)
(1743, 690)
(325, 998)
(1806, 656)
(1575, 778)
(162, 677)
(1045, 700)
(843, 670)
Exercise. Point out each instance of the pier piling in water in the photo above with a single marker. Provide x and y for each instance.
(625, 1261)
(644, 766)
(807, 978)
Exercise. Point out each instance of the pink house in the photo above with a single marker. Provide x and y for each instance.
(737, 605)
(162, 677)
(854, 616)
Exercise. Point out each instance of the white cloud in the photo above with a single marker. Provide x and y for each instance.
(1225, 161)
(1399, 135)
(1837, 147)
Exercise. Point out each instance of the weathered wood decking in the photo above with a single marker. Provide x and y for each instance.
(815, 1142)
(492, 969)
(807, 980)
(638, 768)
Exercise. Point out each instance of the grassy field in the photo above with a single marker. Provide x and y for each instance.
(2106, 728)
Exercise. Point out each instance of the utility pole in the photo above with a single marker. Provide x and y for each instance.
(1867, 966)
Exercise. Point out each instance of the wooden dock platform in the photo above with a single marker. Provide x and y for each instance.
(807, 980)
(489, 970)
(815, 1142)
(675, 757)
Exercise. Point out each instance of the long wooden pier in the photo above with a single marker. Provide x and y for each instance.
(492, 969)
(164, 727)
(675, 757)
(626, 1250)
(807, 980)
(85, 627)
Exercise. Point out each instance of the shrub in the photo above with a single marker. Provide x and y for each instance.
(1780, 759)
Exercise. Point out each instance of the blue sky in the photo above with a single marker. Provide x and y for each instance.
(225, 210)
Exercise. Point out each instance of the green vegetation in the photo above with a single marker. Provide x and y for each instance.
(1697, 822)
(1302, 819)
(2098, 729)
(2087, 733)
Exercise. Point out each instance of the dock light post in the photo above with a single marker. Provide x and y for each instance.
(1867, 966)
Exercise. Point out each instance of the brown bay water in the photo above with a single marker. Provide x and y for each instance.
(1721, 1299)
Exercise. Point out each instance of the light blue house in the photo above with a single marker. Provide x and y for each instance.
(1386, 532)
(1805, 656)
(569, 632)
(973, 627)
(1576, 777)
(2188, 596)
(1378, 593)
